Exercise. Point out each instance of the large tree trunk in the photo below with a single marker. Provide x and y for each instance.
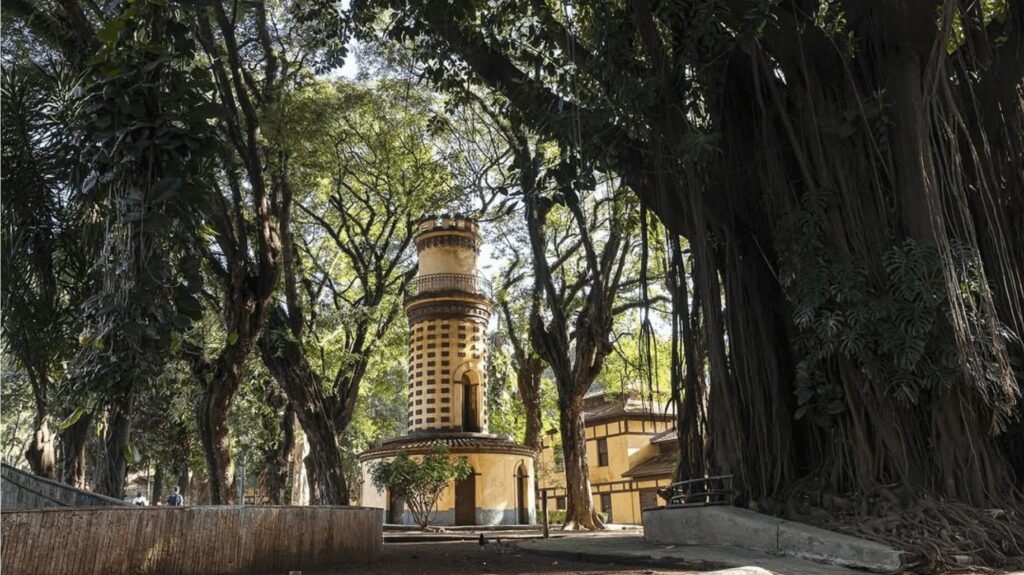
(113, 466)
(213, 432)
(579, 510)
(528, 382)
(298, 486)
(689, 391)
(275, 460)
(157, 491)
(182, 475)
(222, 378)
(73, 441)
(40, 451)
(287, 362)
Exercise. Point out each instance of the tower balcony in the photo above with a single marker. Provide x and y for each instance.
(470, 284)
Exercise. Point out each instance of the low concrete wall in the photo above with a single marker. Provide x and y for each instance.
(187, 540)
(23, 490)
(721, 525)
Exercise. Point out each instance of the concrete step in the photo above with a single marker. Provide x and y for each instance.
(708, 559)
(732, 526)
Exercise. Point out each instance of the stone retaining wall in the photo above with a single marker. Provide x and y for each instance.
(22, 490)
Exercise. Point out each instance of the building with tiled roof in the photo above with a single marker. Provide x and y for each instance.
(631, 454)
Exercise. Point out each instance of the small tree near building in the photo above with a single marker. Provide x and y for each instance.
(420, 483)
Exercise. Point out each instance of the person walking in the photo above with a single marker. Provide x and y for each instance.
(175, 499)
(140, 500)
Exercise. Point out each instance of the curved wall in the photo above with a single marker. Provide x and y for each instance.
(495, 491)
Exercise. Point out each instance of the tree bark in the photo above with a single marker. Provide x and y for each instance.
(528, 381)
(40, 451)
(575, 366)
(73, 441)
(297, 473)
(213, 431)
(287, 362)
(182, 477)
(529, 368)
(158, 484)
(113, 467)
(579, 510)
(275, 469)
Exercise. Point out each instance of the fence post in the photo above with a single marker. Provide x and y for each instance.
(544, 510)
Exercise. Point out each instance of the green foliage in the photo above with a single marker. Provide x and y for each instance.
(47, 243)
(890, 322)
(150, 126)
(420, 483)
(506, 415)
(18, 410)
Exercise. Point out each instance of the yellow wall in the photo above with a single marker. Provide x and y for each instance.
(446, 260)
(440, 352)
(495, 483)
(629, 444)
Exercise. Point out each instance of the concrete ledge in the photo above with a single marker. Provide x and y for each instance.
(23, 490)
(721, 525)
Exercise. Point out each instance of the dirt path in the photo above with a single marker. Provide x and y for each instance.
(469, 557)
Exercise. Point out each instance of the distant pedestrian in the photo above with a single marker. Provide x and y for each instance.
(175, 499)
(140, 500)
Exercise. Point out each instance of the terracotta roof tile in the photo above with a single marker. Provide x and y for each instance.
(660, 465)
(456, 443)
(666, 436)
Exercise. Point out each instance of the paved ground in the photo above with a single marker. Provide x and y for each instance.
(612, 553)
(631, 549)
(469, 558)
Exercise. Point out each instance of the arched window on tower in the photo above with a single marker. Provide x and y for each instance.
(470, 404)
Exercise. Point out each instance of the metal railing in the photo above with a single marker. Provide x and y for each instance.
(467, 283)
(700, 491)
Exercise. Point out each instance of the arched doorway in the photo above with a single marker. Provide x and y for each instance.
(470, 404)
(465, 500)
(396, 508)
(522, 495)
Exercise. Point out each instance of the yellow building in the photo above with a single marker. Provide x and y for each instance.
(631, 453)
(448, 305)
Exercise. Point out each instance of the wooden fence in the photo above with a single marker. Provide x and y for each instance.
(21, 490)
(187, 540)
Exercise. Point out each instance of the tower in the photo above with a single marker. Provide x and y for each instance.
(448, 306)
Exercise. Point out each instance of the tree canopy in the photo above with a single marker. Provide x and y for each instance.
(801, 221)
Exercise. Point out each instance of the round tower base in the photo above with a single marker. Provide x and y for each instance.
(501, 490)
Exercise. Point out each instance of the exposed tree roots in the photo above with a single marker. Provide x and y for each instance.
(937, 535)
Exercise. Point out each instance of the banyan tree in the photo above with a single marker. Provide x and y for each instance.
(843, 185)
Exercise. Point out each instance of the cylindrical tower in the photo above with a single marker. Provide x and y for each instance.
(448, 305)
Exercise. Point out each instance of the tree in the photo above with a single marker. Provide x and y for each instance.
(347, 258)
(529, 367)
(420, 483)
(834, 166)
(47, 246)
